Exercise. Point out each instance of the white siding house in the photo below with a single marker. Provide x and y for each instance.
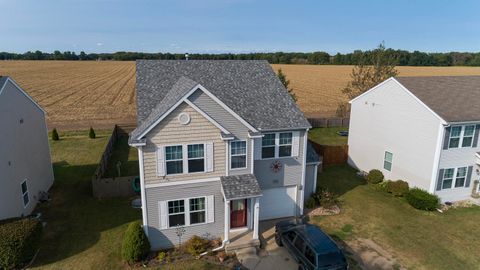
(25, 164)
(403, 127)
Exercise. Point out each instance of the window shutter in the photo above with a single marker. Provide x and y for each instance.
(163, 214)
(161, 161)
(257, 151)
(475, 136)
(295, 143)
(446, 138)
(440, 179)
(210, 209)
(469, 176)
(209, 157)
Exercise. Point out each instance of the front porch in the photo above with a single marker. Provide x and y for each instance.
(241, 195)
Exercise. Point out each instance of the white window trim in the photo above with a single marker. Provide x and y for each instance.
(237, 155)
(290, 144)
(454, 177)
(277, 146)
(185, 158)
(23, 194)
(274, 146)
(461, 136)
(204, 157)
(186, 212)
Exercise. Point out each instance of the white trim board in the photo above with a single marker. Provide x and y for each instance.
(23, 92)
(182, 182)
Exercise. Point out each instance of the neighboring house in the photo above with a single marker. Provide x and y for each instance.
(25, 163)
(423, 130)
(221, 146)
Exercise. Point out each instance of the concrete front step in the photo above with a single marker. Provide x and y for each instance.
(238, 245)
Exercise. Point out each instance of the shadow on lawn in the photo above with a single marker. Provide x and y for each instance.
(339, 179)
(75, 220)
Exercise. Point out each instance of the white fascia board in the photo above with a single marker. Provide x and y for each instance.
(224, 106)
(371, 89)
(23, 92)
(182, 182)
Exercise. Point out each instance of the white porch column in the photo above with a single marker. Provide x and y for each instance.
(255, 218)
(227, 221)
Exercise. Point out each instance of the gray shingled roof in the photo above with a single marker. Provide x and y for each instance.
(454, 98)
(250, 88)
(312, 155)
(3, 79)
(178, 90)
(240, 186)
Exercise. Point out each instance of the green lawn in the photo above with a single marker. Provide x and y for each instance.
(417, 239)
(328, 136)
(128, 157)
(81, 232)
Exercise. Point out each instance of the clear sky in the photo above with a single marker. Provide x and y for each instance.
(213, 26)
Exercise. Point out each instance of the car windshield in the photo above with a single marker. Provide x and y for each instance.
(330, 259)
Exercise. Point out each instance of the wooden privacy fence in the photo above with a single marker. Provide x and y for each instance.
(102, 166)
(329, 122)
(332, 154)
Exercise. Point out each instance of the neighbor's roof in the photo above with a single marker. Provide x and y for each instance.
(240, 186)
(454, 98)
(312, 156)
(250, 88)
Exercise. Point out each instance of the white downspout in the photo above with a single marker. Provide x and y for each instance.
(304, 165)
(142, 190)
(436, 159)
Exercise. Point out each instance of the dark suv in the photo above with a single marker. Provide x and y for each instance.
(310, 246)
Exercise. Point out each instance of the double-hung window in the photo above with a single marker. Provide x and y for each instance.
(196, 158)
(176, 213)
(186, 212)
(455, 134)
(174, 159)
(468, 132)
(238, 154)
(460, 177)
(285, 145)
(387, 161)
(25, 197)
(448, 178)
(197, 210)
(268, 145)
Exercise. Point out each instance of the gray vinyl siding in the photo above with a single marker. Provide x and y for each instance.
(310, 178)
(162, 239)
(455, 158)
(290, 173)
(226, 120)
(24, 152)
(171, 132)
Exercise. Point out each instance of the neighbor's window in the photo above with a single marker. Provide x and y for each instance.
(238, 154)
(174, 159)
(285, 145)
(268, 145)
(387, 162)
(468, 132)
(455, 134)
(197, 210)
(461, 176)
(196, 158)
(25, 197)
(176, 213)
(447, 178)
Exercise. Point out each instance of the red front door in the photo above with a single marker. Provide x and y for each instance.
(238, 213)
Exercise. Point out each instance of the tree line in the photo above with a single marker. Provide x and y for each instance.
(401, 57)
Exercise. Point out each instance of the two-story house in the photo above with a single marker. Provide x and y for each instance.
(221, 146)
(423, 130)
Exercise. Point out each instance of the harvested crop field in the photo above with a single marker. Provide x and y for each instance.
(319, 88)
(78, 94)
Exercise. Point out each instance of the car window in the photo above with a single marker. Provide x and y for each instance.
(291, 235)
(299, 243)
(331, 259)
(310, 255)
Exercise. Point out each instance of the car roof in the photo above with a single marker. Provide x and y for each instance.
(319, 241)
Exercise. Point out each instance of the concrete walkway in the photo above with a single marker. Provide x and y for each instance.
(270, 256)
